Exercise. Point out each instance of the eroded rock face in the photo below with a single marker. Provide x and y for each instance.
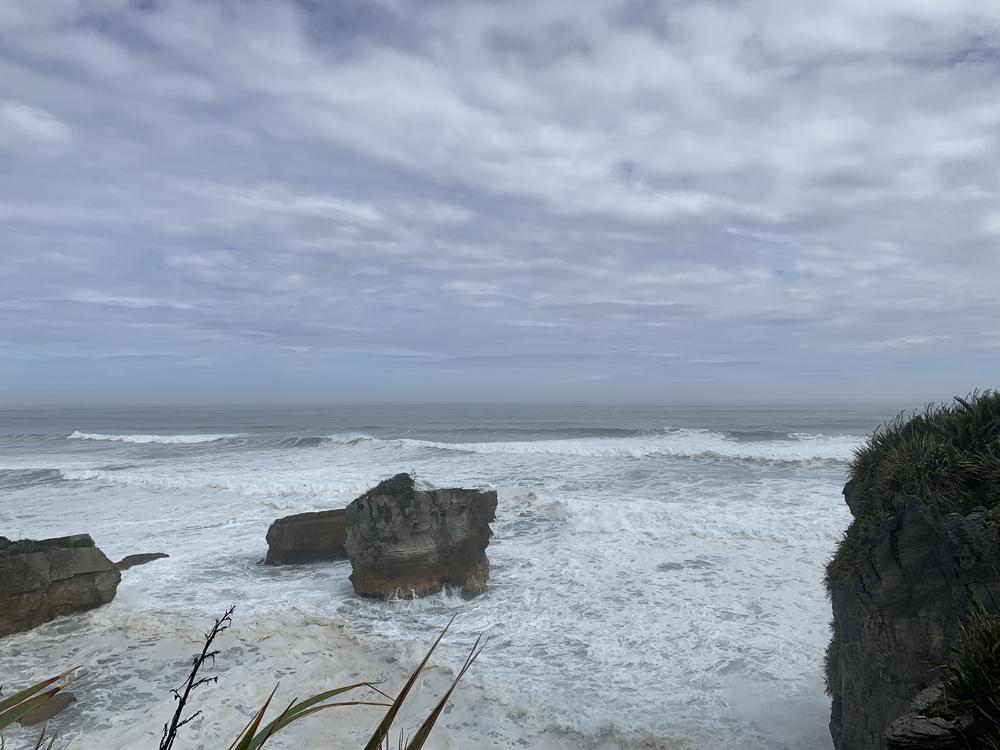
(900, 613)
(306, 538)
(43, 579)
(403, 541)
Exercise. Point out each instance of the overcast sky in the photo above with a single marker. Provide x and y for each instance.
(292, 201)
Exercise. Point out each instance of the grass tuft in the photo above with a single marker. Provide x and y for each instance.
(972, 681)
(948, 455)
(401, 485)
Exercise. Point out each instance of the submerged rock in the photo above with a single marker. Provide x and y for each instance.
(898, 612)
(131, 561)
(403, 541)
(43, 579)
(306, 538)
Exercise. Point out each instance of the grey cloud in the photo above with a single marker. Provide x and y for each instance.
(475, 200)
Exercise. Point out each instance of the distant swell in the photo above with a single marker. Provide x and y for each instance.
(681, 443)
(20, 478)
(238, 440)
(179, 439)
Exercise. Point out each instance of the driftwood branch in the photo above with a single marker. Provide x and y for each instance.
(183, 693)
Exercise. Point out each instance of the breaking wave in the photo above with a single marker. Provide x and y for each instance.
(679, 443)
(238, 440)
(177, 439)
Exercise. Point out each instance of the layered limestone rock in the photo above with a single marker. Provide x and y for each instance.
(898, 610)
(403, 541)
(306, 538)
(43, 579)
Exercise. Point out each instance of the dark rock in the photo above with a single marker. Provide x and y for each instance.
(306, 538)
(43, 579)
(408, 542)
(51, 708)
(900, 612)
(920, 729)
(132, 560)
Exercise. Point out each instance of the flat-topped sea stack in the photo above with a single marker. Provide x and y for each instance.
(45, 578)
(406, 542)
(307, 538)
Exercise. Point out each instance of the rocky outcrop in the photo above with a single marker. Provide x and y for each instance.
(306, 538)
(43, 579)
(920, 728)
(130, 561)
(898, 611)
(403, 541)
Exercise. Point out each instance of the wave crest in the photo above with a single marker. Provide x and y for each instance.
(179, 439)
(679, 443)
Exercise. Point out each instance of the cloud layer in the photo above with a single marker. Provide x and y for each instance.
(471, 200)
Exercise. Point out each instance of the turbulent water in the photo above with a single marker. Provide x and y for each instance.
(656, 571)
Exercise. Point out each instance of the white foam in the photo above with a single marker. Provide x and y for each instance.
(625, 596)
(246, 484)
(77, 435)
(681, 443)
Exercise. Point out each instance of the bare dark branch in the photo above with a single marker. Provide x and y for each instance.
(182, 693)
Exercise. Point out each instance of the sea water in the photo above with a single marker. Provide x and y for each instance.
(656, 570)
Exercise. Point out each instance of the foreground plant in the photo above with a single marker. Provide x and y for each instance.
(19, 705)
(254, 735)
(972, 681)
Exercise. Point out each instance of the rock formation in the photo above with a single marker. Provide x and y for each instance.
(130, 561)
(920, 729)
(306, 538)
(898, 611)
(407, 542)
(43, 579)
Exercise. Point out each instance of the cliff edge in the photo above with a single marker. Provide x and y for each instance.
(922, 551)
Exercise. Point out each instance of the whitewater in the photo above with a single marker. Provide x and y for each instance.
(656, 570)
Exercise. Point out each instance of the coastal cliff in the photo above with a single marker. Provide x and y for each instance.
(922, 551)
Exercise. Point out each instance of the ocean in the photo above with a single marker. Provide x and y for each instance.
(657, 570)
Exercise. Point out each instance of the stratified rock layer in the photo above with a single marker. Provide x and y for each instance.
(899, 613)
(306, 538)
(403, 541)
(43, 579)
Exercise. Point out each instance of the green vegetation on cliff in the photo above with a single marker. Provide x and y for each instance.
(948, 455)
(972, 682)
